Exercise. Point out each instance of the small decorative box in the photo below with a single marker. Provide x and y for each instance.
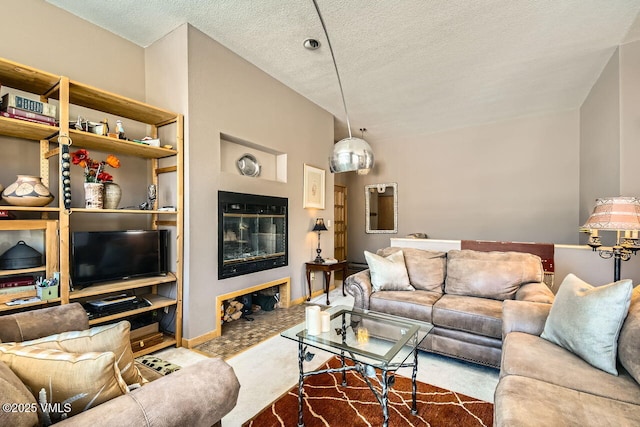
(47, 293)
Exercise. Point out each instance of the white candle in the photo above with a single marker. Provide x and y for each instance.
(325, 320)
(312, 314)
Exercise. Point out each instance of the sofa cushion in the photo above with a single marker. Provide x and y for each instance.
(114, 338)
(496, 275)
(412, 305)
(75, 381)
(469, 314)
(527, 402)
(629, 340)
(426, 268)
(531, 356)
(388, 273)
(13, 391)
(586, 320)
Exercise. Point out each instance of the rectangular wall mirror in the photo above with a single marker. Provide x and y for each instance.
(381, 208)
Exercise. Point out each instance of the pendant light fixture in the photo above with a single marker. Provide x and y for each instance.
(352, 153)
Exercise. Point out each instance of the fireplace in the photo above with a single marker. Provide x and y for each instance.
(252, 233)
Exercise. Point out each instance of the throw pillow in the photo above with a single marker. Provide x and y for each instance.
(388, 274)
(114, 338)
(71, 382)
(586, 320)
(13, 391)
(628, 347)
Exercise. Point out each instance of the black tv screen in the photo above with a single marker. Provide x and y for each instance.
(101, 256)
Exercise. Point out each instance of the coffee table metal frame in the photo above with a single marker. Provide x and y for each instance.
(396, 352)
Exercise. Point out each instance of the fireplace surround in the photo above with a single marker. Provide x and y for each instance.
(252, 233)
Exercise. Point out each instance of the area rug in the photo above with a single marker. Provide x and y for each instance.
(327, 403)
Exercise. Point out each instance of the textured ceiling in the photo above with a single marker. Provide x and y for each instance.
(408, 67)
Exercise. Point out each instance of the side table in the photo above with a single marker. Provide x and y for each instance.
(326, 269)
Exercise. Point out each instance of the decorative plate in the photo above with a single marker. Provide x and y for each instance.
(248, 165)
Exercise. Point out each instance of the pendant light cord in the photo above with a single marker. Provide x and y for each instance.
(324, 27)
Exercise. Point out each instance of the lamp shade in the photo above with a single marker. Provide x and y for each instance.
(615, 213)
(351, 154)
(319, 226)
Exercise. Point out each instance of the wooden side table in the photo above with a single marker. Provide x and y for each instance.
(326, 269)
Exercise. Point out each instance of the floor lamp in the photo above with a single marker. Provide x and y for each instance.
(619, 214)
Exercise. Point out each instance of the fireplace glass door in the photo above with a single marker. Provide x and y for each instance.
(252, 233)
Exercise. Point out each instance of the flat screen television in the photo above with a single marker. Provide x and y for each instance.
(101, 256)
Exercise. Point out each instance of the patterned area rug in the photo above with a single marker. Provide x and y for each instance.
(327, 403)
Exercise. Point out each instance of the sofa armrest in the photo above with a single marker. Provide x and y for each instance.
(196, 395)
(359, 286)
(524, 316)
(535, 292)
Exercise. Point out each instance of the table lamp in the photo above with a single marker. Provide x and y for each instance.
(319, 226)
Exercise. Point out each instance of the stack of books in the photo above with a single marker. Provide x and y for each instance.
(21, 108)
(17, 287)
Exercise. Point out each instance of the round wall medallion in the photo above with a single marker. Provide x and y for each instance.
(248, 165)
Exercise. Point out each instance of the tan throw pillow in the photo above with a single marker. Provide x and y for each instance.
(586, 320)
(114, 338)
(14, 393)
(72, 382)
(388, 274)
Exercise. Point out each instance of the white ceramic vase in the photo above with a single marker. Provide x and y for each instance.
(93, 195)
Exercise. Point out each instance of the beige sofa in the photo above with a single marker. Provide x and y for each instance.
(542, 384)
(461, 293)
(196, 395)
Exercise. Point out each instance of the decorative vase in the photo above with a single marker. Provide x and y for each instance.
(28, 190)
(93, 195)
(112, 195)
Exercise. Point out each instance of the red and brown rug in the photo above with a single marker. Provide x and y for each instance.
(328, 403)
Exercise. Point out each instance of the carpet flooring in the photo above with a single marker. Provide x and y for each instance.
(327, 403)
(241, 334)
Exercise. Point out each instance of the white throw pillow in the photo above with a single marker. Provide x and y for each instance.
(388, 274)
(586, 320)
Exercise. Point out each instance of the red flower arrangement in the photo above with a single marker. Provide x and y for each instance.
(93, 170)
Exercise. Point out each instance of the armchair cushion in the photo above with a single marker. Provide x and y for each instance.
(426, 268)
(586, 320)
(388, 273)
(495, 275)
(113, 337)
(75, 381)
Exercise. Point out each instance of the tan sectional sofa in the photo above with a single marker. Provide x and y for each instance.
(461, 293)
(543, 384)
(196, 395)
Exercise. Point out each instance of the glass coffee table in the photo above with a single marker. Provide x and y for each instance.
(371, 341)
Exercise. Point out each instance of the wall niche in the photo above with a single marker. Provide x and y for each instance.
(236, 156)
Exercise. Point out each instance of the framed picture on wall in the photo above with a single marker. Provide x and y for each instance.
(314, 187)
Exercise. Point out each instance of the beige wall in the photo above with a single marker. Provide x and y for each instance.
(630, 118)
(226, 94)
(599, 140)
(515, 180)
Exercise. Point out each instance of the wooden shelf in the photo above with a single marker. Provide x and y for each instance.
(22, 271)
(25, 78)
(167, 341)
(121, 285)
(92, 141)
(5, 307)
(26, 130)
(28, 209)
(157, 301)
(122, 211)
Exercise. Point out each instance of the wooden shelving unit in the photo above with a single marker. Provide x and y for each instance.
(68, 92)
